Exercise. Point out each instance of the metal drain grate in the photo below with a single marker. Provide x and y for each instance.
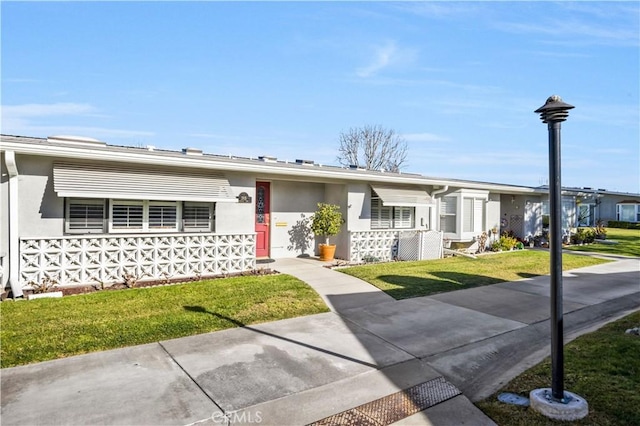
(394, 407)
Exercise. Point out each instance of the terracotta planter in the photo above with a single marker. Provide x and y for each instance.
(327, 252)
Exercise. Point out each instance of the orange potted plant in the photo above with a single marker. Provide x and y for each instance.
(326, 222)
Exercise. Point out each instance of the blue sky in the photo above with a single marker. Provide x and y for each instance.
(459, 80)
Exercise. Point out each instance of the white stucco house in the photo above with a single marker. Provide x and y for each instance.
(80, 211)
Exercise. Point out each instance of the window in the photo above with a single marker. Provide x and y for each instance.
(84, 216)
(196, 216)
(127, 215)
(628, 212)
(448, 210)
(472, 214)
(403, 217)
(586, 213)
(163, 216)
(143, 216)
(387, 217)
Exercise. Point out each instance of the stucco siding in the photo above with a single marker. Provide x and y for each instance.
(292, 205)
(607, 209)
(41, 210)
(532, 216)
(492, 219)
(338, 194)
(513, 214)
(237, 218)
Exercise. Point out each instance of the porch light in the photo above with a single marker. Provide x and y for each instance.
(555, 402)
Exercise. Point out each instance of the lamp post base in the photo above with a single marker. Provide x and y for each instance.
(573, 407)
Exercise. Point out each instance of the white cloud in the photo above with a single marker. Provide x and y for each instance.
(386, 56)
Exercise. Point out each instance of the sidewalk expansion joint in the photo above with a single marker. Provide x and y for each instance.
(394, 407)
(190, 377)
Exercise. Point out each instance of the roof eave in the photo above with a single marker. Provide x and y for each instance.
(34, 146)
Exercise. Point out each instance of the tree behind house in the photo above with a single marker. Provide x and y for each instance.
(372, 147)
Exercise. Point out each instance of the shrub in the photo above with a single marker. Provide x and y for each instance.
(583, 235)
(623, 225)
(326, 221)
(505, 243)
(600, 230)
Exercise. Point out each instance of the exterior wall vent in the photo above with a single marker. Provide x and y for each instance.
(75, 140)
(305, 162)
(191, 151)
(268, 158)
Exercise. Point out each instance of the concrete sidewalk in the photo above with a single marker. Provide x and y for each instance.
(303, 370)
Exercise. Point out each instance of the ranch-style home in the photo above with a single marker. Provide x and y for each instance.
(77, 211)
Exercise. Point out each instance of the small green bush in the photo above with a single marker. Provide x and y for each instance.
(585, 235)
(326, 221)
(505, 243)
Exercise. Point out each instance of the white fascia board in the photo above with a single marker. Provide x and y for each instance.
(145, 157)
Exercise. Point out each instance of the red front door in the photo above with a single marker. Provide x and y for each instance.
(262, 219)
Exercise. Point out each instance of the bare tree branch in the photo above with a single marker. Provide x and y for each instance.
(373, 147)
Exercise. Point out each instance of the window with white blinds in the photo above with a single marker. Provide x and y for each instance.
(197, 216)
(163, 215)
(84, 216)
(387, 217)
(403, 217)
(472, 214)
(448, 212)
(127, 215)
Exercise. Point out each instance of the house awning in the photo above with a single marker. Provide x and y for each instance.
(402, 196)
(129, 182)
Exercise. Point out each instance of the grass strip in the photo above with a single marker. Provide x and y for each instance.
(603, 367)
(45, 329)
(628, 243)
(403, 280)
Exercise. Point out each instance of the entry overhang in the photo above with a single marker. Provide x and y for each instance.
(399, 196)
(129, 182)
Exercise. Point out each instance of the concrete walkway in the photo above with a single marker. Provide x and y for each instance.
(302, 370)
(339, 291)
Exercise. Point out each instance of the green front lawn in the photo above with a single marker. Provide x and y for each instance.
(603, 367)
(403, 280)
(44, 329)
(628, 243)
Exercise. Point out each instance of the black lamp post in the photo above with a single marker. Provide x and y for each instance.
(553, 113)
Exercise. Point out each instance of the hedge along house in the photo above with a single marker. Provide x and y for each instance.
(77, 211)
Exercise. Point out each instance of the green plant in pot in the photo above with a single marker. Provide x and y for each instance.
(326, 222)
